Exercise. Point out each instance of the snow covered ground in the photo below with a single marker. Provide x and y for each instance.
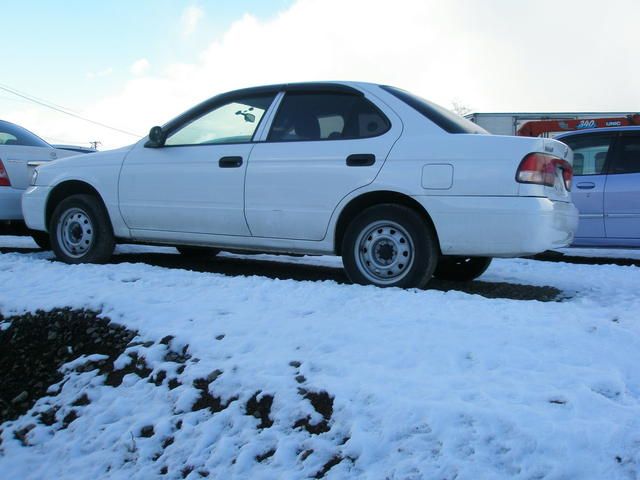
(425, 384)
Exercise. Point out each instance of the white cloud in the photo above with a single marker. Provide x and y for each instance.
(140, 66)
(190, 19)
(101, 73)
(495, 55)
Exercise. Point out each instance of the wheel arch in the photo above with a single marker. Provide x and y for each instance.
(67, 188)
(369, 199)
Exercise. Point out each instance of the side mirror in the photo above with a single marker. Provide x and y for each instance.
(156, 137)
(248, 117)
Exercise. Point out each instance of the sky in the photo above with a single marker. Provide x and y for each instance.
(132, 65)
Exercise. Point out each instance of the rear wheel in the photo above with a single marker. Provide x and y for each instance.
(197, 252)
(42, 239)
(390, 245)
(461, 269)
(81, 231)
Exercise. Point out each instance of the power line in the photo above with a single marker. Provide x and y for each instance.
(21, 100)
(63, 110)
(15, 91)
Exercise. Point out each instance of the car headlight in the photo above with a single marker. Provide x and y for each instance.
(34, 177)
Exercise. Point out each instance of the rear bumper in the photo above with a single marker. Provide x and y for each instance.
(10, 203)
(500, 226)
(34, 202)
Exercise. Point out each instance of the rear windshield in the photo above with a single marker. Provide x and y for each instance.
(448, 121)
(11, 134)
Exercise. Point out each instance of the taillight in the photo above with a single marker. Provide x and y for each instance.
(541, 169)
(4, 176)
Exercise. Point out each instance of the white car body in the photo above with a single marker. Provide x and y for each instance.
(24, 147)
(293, 196)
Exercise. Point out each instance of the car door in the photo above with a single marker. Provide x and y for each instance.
(622, 191)
(194, 181)
(321, 145)
(591, 153)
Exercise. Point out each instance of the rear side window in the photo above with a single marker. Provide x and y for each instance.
(448, 121)
(326, 116)
(628, 156)
(590, 153)
(11, 134)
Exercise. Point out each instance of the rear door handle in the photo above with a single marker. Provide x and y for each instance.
(585, 185)
(230, 162)
(361, 160)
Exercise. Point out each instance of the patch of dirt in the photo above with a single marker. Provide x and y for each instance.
(36, 345)
(137, 366)
(322, 403)
(260, 409)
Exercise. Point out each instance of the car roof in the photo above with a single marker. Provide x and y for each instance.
(629, 128)
(344, 86)
(335, 86)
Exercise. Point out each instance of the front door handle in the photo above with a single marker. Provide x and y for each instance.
(585, 185)
(361, 160)
(230, 162)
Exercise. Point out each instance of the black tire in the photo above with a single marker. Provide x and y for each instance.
(461, 269)
(395, 234)
(197, 252)
(84, 220)
(41, 238)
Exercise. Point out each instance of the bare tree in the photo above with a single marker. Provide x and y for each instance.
(460, 108)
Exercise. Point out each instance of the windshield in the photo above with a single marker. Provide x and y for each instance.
(445, 119)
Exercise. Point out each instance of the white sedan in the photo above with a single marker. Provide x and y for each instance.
(401, 188)
(18, 146)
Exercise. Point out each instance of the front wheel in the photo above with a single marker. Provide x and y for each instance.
(81, 231)
(461, 269)
(390, 245)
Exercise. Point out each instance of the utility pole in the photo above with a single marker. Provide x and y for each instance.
(95, 144)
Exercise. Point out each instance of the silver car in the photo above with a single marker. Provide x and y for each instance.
(18, 147)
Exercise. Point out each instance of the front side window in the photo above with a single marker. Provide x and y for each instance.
(590, 153)
(11, 134)
(233, 122)
(628, 157)
(326, 116)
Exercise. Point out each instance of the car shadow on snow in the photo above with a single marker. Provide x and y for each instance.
(552, 256)
(234, 266)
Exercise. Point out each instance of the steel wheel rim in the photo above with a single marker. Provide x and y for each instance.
(75, 232)
(384, 252)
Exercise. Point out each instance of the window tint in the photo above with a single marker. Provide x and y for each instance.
(326, 116)
(448, 121)
(233, 122)
(628, 157)
(11, 134)
(589, 153)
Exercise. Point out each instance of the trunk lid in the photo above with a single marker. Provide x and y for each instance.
(16, 158)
